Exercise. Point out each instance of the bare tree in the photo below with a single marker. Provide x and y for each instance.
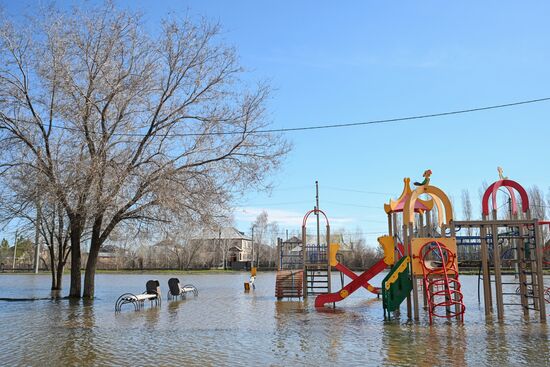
(466, 205)
(467, 251)
(20, 203)
(537, 202)
(537, 206)
(126, 126)
(55, 232)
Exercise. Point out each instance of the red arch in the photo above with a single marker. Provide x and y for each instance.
(313, 211)
(504, 183)
(512, 197)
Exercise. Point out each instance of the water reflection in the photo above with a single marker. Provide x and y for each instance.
(225, 326)
(173, 308)
(79, 346)
(152, 315)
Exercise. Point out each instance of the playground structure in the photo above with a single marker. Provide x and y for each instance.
(426, 259)
(421, 250)
(520, 236)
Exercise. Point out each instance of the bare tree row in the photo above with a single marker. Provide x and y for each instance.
(104, 126)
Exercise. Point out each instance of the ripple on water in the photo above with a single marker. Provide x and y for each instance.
(225, 326)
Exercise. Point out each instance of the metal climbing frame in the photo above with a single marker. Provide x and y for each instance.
(316, 257)
(523, 236)
(441, 283)
(523, 239)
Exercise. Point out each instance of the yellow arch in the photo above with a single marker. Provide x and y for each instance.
(440, 199)
(439, 204)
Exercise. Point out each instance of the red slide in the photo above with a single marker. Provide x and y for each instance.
(355, 284)
(350, 274)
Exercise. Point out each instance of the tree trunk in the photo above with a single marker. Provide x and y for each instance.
(76, 277)
(59, 278)
(91, 264)
(52, 266)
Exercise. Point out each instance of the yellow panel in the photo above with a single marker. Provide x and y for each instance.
(387, 244)
(334, 247)
(418, 243)
(253, 272)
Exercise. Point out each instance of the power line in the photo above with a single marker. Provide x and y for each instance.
(354, 205)
(278, 204)
(355, 190)
(340, 125)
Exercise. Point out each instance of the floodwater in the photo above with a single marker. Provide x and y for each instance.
(225, 326)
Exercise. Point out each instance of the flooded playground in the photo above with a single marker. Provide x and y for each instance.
(226, 326)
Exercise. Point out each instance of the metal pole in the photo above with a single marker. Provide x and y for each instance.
(14, 251)
(37, 236)
(304, 250)
(328, 262)
(258, 254)
(279, 253)
(317, 215)
(487, 298)
(252, 262)
(498, 274)
(540, 273)
(220, 245)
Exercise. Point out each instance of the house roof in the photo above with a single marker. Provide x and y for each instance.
(110, 249)
(293, 240)
(166, 243)
(224, 233)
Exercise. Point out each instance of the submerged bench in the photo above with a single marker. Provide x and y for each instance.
(176, 290)
(151, 294)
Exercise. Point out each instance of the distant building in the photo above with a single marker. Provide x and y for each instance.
(166, 254)
(110, 257)
(236, 247)
(290, 254)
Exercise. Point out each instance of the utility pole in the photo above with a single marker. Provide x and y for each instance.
(223, 249)
(37, 236)
(317, 216)
(252, 262)
(14, 251)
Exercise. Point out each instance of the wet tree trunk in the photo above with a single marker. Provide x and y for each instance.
(52, 267)
(91, 265)
(76, 277)
(59, 278)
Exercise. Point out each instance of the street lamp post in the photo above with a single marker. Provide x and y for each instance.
(37, 236)
(14, 251)
(252, 261)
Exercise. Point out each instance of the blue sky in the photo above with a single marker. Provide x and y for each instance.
(356, 61)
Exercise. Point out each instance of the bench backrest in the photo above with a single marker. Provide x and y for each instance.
(152, 287)
(174, 285)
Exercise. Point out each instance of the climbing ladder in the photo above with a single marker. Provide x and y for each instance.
(317, 279)
(440, 282)
(525, 279)
(522, 282)
(289, 284)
